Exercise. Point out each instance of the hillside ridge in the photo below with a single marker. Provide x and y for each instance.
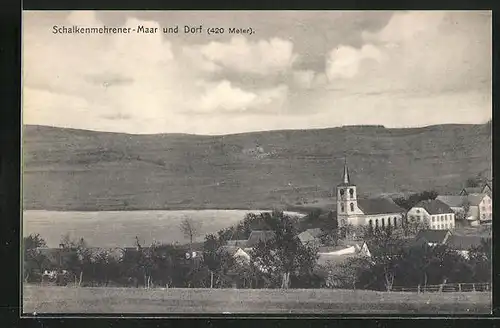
(71, 169)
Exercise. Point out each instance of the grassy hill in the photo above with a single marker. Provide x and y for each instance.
(68, 169)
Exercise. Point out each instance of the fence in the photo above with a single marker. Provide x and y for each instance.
(456, 287)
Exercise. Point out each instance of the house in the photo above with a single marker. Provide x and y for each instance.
(437, 214)
(235, 252)
(432, 237)
(463, 244)
(485, 189)
(456, 203)
(257, 236)
(480, 206)
(376, 212)
(310, 237)
(338, 254)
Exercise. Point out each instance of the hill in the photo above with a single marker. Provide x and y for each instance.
(68, 169)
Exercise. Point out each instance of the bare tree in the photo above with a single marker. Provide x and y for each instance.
(190, 229)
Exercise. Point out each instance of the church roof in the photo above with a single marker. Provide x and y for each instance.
(374, 206)
(346, 179)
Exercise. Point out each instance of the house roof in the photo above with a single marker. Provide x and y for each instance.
(374, 206)
(432, 236)
(240, 243)
(259, 235)
(315, 232)
(475, 199)
(306, 236)
(434, 207)
(451, 200)
(329, 249)
(472, 190)
(463, 242)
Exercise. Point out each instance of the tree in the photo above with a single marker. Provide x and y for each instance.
(190, 230)
(284, 255)
(33, 259)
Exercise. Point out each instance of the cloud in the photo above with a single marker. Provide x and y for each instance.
(419, 68)
(345, 61)
(261, 57)
(426, 52)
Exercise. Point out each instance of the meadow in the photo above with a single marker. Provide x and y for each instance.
(119, 228)
(210, 301)
(77, 170)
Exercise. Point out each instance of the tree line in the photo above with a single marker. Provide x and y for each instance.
(281, 262)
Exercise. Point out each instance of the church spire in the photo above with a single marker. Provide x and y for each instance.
(345, 178)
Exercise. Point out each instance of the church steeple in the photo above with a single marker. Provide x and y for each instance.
(345, 178)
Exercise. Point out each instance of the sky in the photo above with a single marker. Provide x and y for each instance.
(297, 70)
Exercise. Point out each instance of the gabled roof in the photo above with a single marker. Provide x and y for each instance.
(374, 206)
(432, 236)
(452, 200)
(315, 232)
(471, 190)
(306, 237)
(434, 207)
(259, 235)
(475, 199)
(463, 243)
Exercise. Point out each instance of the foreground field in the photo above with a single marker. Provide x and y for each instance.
(130, 300)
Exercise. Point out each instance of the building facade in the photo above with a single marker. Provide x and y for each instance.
(435, 213)
(351, 210)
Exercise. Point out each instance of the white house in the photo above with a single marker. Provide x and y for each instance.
(437, 214)
(480, 206)
(236, 252)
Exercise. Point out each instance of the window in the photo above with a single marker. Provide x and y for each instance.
(371, 223)
(342, 209)
(484, 216)
(351, 192)
(418, 211)
(352, 207)
(376, 223)
(342, 192)
(389, 222)
(395, 222)
(483, 208)
(433, 219)
(383, 223)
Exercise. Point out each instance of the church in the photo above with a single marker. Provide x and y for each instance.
(351, 210)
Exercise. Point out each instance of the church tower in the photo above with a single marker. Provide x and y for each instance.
(347, 204)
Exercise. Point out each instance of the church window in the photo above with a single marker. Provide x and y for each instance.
(351, 192)
(395, 222)
(342, 192)
(342, 209)
(418, 211)
(352, 207)
(383, 223)
(371, 223)
(376, 223)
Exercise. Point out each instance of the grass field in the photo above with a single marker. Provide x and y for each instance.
(130, 300)
(77, 170)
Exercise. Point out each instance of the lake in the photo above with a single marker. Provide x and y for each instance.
(119, 228)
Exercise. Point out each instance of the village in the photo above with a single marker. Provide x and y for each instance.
(265, 249)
